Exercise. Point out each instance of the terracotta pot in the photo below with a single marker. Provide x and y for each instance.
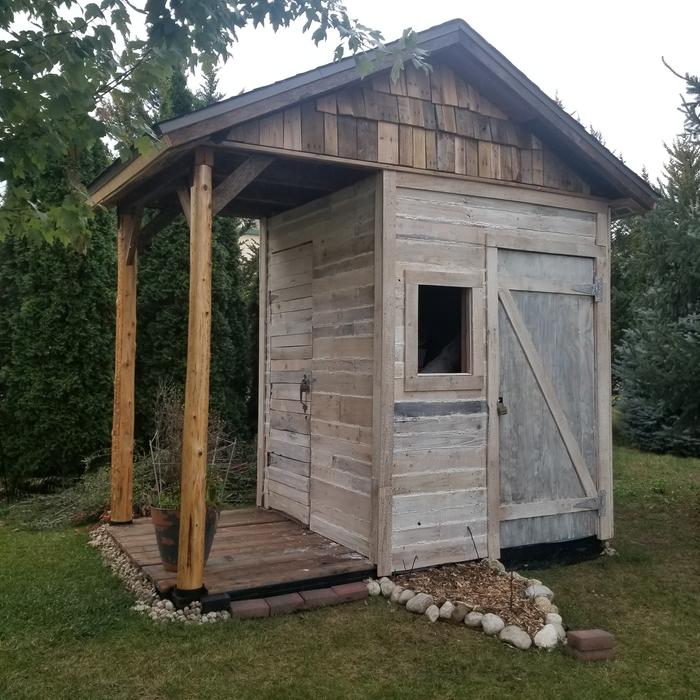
(167, 524)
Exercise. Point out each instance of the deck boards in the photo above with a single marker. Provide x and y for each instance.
(253, 549)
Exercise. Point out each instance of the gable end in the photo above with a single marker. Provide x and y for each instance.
(433, 121)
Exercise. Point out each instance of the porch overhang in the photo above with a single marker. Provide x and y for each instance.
(455, 43)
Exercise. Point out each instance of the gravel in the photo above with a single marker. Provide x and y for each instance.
(148, 602)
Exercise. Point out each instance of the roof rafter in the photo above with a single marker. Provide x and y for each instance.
(238, 180)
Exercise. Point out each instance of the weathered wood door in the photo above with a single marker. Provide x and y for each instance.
(547, 397)
(289, 333)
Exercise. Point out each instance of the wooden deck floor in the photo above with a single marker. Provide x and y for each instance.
(255, 552)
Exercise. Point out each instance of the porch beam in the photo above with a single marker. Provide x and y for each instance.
(183, 195)
(238, 180)
(165, 186)
(190, 572)
(162, 219)
(159, 221)
(122, 471)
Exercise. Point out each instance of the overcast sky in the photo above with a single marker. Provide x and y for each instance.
(603, 58)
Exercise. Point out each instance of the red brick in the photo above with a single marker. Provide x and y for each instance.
(347, 592)
(284, 604)
(592, 655)
(244, 609)
(319, 597)
(590, 640)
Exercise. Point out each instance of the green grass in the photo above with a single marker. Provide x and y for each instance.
(66, 630)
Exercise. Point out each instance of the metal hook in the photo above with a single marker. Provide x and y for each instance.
(304, 388)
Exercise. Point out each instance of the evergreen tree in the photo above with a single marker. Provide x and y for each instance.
(659, 354)
(626, 279)
(56, 344)
(57, 328)
(251, 295)
(64, 65)
(163, 292)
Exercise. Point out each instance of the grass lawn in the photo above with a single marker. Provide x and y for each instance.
(66, 630)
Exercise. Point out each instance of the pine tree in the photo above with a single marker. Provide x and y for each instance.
(660, 351)
(626, 278)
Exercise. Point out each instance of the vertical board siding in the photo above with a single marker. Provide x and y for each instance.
(535, 464)
(434, 122)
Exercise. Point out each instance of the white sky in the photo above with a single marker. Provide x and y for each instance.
(603, 58)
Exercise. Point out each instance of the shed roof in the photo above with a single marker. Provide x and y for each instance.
(454, 42)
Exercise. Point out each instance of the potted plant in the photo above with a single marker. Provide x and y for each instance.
(165, 455)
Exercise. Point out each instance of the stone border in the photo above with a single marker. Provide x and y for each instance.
(150, 604)
(549, 636)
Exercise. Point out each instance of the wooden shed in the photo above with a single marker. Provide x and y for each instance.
(434, 302)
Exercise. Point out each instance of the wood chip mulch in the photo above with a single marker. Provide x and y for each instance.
(481, 588)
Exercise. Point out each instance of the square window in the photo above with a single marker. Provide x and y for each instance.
(443, 329)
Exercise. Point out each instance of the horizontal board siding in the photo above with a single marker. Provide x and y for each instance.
(320, 324)
(434, 235)
(439, 471)
(342, 366)
(404, 410)
(493, 214)
(289, 274)
(439, 481)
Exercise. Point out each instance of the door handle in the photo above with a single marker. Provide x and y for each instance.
(304, 388)
(501, 408)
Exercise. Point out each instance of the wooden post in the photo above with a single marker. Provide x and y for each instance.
(190, 570)
(122, 474)
(493, 464)
(383, 386)
(601, 314)
(261, 495)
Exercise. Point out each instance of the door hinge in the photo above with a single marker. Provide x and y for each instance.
(597, 502)
(602, 501)
(595, 290)
(598, 286)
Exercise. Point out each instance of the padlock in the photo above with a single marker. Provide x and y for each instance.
(501, 408)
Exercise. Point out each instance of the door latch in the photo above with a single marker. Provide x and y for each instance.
(304, 391)
(501, 408)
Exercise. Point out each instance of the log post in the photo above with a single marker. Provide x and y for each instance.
(122, 474)
(190, 569)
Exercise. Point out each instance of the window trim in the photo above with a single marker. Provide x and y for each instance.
(474, 322)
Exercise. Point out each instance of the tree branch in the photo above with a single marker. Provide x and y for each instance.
(101, 92)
